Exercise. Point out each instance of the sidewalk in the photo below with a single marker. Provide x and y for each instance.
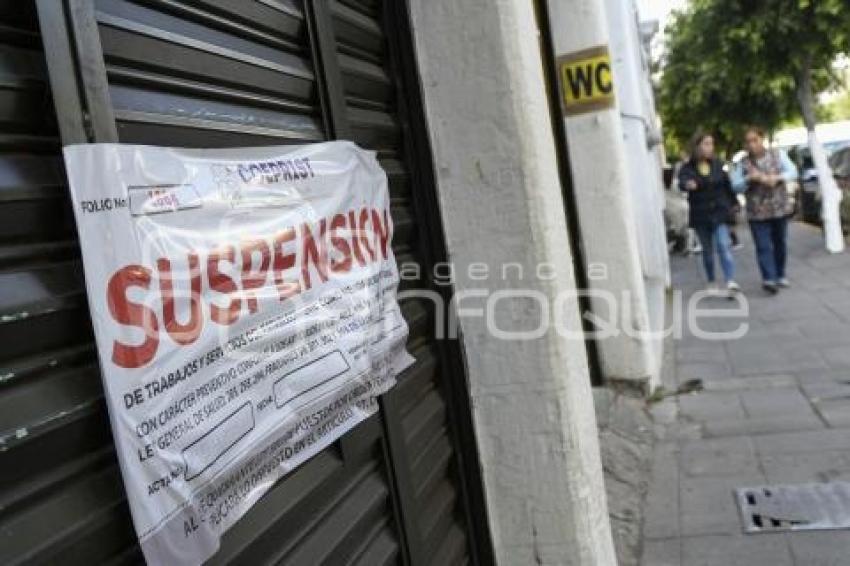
(775, 409)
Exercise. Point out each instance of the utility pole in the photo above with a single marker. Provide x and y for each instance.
(830, 197)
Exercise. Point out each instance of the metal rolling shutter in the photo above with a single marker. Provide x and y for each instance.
(60, 491)
(419, 427)
(201, 73)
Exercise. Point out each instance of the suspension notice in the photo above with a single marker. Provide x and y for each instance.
(244, 307)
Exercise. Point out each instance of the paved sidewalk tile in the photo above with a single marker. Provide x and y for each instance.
(840, 262)
(824, 387)
(838, 357)
(704, 352)
(825, 548)
(661, 552)
(702, 370)
(762, 425)
(775, 409)
(836, 412)
(661, 516)
(710, 406)
(825, 333)
(790, 312)
(737, 550)
(719, 457)
(806, 467)
(708, 504)
(752, 382)
(776, 361)
(807, 441)
(842, 311)
(759, 329)
(834, 295)
(776, 402)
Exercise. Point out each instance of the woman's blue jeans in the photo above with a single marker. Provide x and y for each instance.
(715, 237)
(771, 238)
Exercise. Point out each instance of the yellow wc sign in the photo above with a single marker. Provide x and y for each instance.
(586, 81)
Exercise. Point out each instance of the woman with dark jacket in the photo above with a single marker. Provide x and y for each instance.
(711, 199)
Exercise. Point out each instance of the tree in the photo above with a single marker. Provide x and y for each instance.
(701, 89)
(800, 39)
(775, 48)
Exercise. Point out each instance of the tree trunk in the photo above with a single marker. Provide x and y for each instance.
(830, 193)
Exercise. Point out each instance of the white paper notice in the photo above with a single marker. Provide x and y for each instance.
(244, 306)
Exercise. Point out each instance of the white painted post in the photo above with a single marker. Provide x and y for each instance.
(830, 197)
(501, 203)
(644, 181)
(607, 215)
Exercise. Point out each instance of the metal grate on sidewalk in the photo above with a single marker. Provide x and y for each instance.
(802, 507)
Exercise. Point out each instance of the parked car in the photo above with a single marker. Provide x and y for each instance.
(839, 162)
(676, 221)
(680, 239)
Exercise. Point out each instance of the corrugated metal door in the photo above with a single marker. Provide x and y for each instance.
(400, 488)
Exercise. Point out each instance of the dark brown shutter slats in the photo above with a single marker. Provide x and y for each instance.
(204, 73)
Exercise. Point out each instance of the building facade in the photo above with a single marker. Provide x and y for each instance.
(487, 451)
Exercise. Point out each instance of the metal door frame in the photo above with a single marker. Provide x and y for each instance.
(550, 73)
(452, 359)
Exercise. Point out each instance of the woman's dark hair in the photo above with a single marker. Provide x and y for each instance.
(696, 140)
(758, 130)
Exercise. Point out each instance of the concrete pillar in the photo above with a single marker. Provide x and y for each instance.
(645, 185)
(602, 186)
(501, 202)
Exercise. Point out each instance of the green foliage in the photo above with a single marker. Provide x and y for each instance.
(736, 62)
(786, 35)
(672, 146)
(838, 109)
(835, 111)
